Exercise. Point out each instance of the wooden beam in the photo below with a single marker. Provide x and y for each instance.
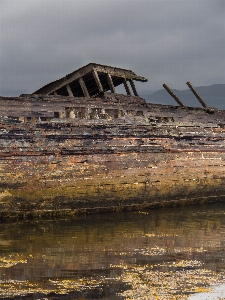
(66, 80)
(110, 82)
(69, 90)
(119, 72)
(173, 95)
(133, 87)
(84, 88)
(97, 80)
(196, 95)
(51, 87)
(126, 87)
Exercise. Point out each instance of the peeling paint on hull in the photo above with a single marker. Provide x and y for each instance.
(110, 154)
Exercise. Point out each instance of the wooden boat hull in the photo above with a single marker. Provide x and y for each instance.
(143, 156)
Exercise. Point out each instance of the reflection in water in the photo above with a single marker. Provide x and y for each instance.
(169, 253)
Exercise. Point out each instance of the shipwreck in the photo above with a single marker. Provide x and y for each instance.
(76, 146)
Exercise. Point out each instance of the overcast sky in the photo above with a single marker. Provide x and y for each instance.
(166, 41)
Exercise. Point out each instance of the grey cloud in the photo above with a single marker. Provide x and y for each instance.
(164, 40)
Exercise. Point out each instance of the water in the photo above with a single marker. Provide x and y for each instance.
(171, 253)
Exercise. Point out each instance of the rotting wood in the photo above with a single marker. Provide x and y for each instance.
(196, 94)
(126, 87)
(92, 70)
(84, 88)
(173, 95)
(95, 74)
(110, 82)
(133, 87)
(69, 90)
(86, 154)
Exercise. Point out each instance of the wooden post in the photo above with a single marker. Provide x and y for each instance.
(126, 87)
(97, 80)
(69, 90)
(84, 88)
(196, 95)
(173, 95)
(133, 87)
(110, 82)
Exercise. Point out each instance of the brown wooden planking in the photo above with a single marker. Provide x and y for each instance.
(115, 152)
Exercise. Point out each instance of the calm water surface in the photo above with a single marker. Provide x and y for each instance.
(172, 253)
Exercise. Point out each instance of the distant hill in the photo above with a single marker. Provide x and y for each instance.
(213, 96)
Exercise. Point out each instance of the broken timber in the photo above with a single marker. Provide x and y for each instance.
(76, 146)
(91, 80)
(173, 95)
(196, 95)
